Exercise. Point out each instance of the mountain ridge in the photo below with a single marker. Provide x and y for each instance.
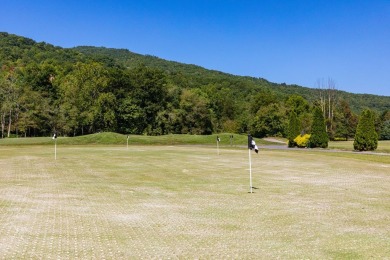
(128, 59)
(285, 89)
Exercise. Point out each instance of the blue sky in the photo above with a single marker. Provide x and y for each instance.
(295, 42)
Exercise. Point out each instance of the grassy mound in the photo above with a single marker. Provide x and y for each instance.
(119, 139)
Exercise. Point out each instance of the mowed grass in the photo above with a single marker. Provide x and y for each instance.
(186, 202)
(383, 146)
(109, 138)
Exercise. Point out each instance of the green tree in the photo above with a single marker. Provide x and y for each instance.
(83, 93)
(301, 108)
(294, 129)
(318, 137)
(149, 92)
(104, 113)
(297, 104)
(270, 121)
(366, 138)
(262, 99)
(131, 117)
(345, 121)
(10, 93)
(223, 105)
(33, 117)
(194, 113)
(383, 125)
(385, 132)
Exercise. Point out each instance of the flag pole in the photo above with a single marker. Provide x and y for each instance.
(250, 147)
(218, 144)
(127, 142)
(55, 145)
(250, 171)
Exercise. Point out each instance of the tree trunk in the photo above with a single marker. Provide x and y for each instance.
(9, 123)
(16, 122)
(2, 125)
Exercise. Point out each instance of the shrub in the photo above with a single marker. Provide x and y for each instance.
(302, 140)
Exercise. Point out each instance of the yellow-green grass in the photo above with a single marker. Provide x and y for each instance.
(105, 138)
(188, 202)
(383, 146)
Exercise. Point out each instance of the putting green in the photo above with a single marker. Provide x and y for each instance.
(109, 202)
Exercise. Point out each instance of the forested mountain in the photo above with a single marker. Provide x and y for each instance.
(81, 90)
(201, 76)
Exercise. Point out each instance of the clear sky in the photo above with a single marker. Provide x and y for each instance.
(295, 42)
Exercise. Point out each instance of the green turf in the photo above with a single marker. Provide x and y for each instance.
(106, 138)
(383, 146)
(188, 202)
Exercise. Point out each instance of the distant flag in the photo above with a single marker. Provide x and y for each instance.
(55, 145)
(218, 140)
(252, 144)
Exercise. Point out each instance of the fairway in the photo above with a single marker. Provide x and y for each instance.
(188, 202)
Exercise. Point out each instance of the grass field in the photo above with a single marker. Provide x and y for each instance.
(186, 202)
(107, 138)
(383, 146)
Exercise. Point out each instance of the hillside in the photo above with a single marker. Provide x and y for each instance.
(202, 76)
(85, 90)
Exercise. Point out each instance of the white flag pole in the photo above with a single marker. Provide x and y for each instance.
(218, 144)
(250, 170)
(127, 144)
(55, 149)
(250, 147)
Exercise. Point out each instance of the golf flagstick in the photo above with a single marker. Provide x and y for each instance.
(251, 146)
(55, 146)
(250, 171)
(218, 140)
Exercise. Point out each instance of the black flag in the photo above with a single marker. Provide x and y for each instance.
(54, 136)
(218, 139)
(252, 144)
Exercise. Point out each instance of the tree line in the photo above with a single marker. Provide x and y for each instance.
(73, 92)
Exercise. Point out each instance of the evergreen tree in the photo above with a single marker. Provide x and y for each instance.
(345, 120)
(293, 129)
(319, 137)
(366, 138)
(385, 132)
